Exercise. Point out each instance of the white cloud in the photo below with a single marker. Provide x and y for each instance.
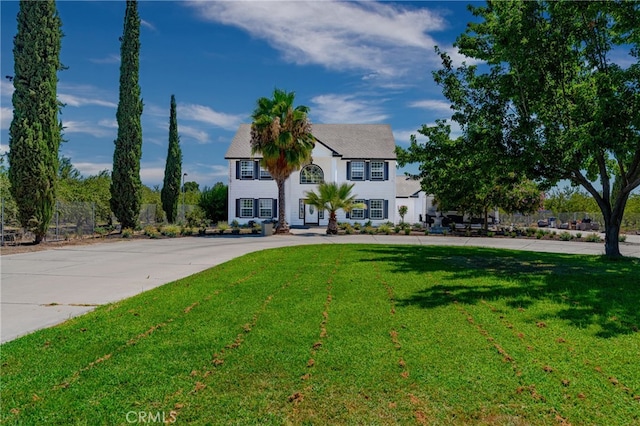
(112, 124)
(151, 173)
(205, 114)
(78, 95)
(109, 59)
(6, 88)
(87, 168)
(439, 106)
(92, 129)
(6, 115)
(147, 24)
(200, 136)
(380, 39)
(458, 58)
(76, 101)
(403, 137)
(333, 108)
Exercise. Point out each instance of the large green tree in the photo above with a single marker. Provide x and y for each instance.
(463, 175)
(333, 197)
(35, 131)
(571, 74)
(214, 202)
(126, 197)
(281, 133)
(170, 193)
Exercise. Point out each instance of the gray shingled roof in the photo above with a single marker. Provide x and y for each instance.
(406, 187)
(350, 141)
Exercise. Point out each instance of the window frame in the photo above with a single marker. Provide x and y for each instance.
(243, 208)
(246, 166)
(319, 174)
(264, 174)
(380, 171)
(353, 170)
(373, 210)
(358, 214)
(268, 201)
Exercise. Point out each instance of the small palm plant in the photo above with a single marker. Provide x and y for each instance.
(333, 197)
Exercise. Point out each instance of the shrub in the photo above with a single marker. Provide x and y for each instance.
(150, 231)
(102, 232)
(235, 224)
(185, 231)
(348, 229)
(396, 229)
(357, 226)
(196, 218)
(622, 238)
(566, 236)
(490, 234)
(593, 238)
(368, 230)
(170, 230)
(127, 233)
(222, 226)
(407, 231)
(579, 235)
(384, 229)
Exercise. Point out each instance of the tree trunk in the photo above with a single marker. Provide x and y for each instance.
(611, 235)
(332, 227)
(283, 226)
(39, 238)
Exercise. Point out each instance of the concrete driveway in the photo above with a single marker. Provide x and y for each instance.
(45, 288)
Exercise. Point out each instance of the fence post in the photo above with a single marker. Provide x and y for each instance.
(93, 218)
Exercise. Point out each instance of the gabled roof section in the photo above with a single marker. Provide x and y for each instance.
(349, 141)
(407, 187)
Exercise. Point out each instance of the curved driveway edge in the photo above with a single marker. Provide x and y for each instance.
(45, 288)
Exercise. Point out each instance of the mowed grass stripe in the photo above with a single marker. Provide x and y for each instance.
(255, 381)
(114, 328)
(474, 328)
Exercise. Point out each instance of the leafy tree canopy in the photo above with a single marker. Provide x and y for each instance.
(564, 107)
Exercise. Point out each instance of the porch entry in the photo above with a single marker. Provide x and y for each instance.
(311, 216)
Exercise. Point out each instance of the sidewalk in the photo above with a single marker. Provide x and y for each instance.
(45, 288)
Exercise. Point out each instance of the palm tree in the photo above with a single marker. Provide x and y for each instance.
(333, 197)
(282, 135)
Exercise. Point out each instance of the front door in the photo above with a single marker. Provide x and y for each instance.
(310, 215)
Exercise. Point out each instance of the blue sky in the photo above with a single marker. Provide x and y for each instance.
(350, 62)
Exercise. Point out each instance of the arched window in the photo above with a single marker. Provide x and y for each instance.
(311, 173)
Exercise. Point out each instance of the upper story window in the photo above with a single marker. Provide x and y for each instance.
(246, 169)
(357, 170)
(377, 170)
(311, 173)
(264, 174)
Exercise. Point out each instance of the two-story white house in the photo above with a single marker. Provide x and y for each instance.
(362, 154)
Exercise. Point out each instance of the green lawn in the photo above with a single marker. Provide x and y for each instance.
(348, 334)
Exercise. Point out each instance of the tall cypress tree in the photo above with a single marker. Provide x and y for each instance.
(170, 193)
(126, 187)
(35, 132)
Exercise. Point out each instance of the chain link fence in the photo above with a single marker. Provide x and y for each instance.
(76, 220)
